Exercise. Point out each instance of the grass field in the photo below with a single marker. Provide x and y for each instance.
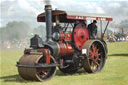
(115, 71)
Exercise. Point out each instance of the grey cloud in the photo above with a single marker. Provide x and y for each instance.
(16, 13)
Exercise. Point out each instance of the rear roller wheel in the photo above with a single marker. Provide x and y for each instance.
(95, 58)
(35, 73)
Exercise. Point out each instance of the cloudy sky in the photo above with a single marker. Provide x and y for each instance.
(27, 10)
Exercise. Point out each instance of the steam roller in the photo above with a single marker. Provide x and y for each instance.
(67, 46)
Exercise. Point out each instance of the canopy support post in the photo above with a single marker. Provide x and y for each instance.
(102, 38)
(101, 27)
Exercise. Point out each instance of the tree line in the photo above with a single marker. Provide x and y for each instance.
(16, 32)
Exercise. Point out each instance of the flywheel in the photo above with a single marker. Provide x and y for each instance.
(80, 35)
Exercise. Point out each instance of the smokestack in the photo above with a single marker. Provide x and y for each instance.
(48, 19)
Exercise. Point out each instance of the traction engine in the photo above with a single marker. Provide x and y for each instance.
(67, 47)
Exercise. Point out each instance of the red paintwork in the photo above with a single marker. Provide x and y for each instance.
(66, 36)
(70, 17)
(47, 55)
(62, 48)
(92, 53)
(76, 17)
(88, 17)
(80, 30)
(70, 50)
(65, 49)
(62, 36)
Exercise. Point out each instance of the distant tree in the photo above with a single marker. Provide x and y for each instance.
(124, 24)
(14, 30)
(3, 36)
(41, 31)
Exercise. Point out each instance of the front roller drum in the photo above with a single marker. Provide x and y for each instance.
(35, 73)
(95, 56)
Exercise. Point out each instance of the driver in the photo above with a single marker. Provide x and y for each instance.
(92, 28)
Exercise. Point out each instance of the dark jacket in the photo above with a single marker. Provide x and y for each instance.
(92, 30)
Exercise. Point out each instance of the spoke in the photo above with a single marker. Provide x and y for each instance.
(93, 47)
(92, 52)
(93, 68)
(97, 64)
(45, 72)
(91, 55)
(42, 71)
(97, 59)
(92, 63)
(97, 52)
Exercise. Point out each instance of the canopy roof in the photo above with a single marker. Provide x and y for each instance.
(67, 16)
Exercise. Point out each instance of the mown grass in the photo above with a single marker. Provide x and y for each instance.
(115, 71)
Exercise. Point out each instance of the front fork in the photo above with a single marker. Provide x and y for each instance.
(47, 54)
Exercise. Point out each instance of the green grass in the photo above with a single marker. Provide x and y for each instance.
(115, 71)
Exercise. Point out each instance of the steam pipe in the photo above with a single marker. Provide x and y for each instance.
(48, 19)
